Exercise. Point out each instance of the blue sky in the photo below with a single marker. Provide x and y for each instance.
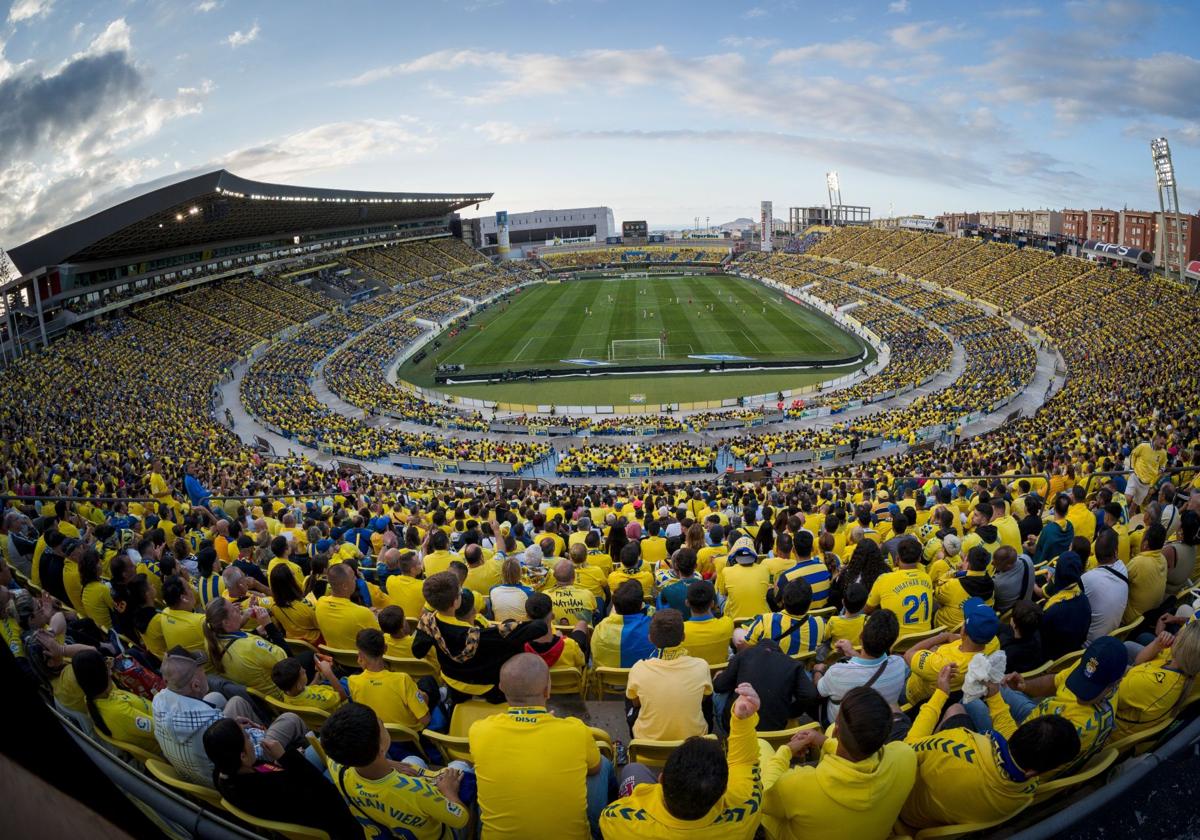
(663, 110)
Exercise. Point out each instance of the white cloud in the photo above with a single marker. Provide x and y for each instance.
(1014, 12)
(754, 12)
(328, 146)
(69, 130)
(749, 41)
(922, 36)
(115, 37)
(898, 7)
(502, 132)
(28, 9)
(241, 39)
(852, 52)
(206, 6)
(718, 81)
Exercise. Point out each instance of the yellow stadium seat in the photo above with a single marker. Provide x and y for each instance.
(1039, 670)
(165, 773)
(950, 832)
(807, 657)
(452, 747)
(1067, 660)
(1123, 632)
(905, 642)
(345, 658)
(415, 668)
(610, 681)
(604, 742)
(313, 717)
(467, 713)
(824, 611)
(288, 830)
(298, 645)
(401, 734)
(779, 737)
(568, 681)
(1140, 742)
(1096, 765)
(315, 743)
(653, 753)
(131, 749)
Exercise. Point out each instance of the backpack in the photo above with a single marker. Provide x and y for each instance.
(136, 678)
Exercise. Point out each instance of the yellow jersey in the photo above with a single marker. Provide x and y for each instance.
(405, 592)
(340, 619)
(642, 815)
(521, 796)
(392, 694)
(129, 718)
(408, 806)
(909, 594)
(248, 659)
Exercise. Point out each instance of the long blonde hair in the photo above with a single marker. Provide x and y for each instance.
(214, 626)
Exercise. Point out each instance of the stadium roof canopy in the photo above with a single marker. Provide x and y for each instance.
(218, 207)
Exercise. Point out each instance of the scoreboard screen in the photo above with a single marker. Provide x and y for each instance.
(633, 230)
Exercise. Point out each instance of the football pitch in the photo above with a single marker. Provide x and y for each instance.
(573, 325)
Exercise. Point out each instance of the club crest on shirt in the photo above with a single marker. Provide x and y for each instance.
(142, 723)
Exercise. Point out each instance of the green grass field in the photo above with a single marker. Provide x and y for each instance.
(546, 324)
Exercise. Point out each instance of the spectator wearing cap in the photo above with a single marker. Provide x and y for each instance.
(743, 584)
(929, 656)
(705, 634)
(811, 569)
(1083, 696)
(1067, 613)
(669, 695)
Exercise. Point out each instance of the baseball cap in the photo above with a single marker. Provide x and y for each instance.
(743, 551)
(882, 495)
(953, 544)
(633, 530)
(1103, 663)
(324, 545)
(980, 621)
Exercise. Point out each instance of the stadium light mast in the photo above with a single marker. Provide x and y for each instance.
(834, 188)
(1168, 202)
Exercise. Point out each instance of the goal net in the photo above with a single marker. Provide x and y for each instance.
(635, 348)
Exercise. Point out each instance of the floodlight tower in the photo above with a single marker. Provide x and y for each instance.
(1168, 202)
(835, 194)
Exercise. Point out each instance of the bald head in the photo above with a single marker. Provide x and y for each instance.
(390, 558)
(341, 580)
(525, 680)
(564, 572)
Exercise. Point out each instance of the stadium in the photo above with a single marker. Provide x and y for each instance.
(340, 512)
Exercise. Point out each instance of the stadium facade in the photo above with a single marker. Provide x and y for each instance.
(539, 228)
(195, 231)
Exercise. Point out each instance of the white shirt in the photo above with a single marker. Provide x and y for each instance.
(1108, 595)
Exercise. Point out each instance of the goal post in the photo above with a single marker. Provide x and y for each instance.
(636, 348)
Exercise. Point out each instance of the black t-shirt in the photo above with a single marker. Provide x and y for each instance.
(783, 686)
